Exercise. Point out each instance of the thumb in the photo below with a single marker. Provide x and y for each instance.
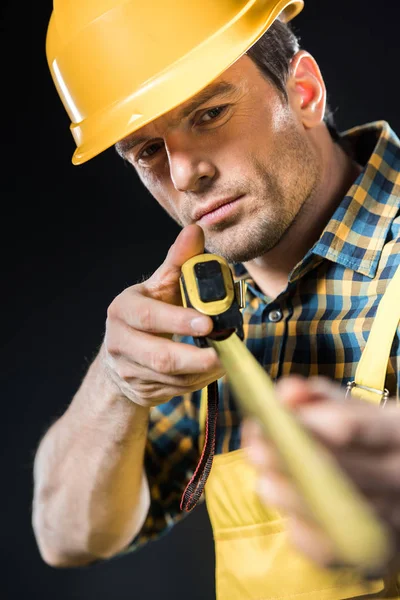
(189, 243)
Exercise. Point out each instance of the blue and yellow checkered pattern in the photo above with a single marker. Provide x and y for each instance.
(318, 325)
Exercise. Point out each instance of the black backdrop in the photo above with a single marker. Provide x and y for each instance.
(74, 237)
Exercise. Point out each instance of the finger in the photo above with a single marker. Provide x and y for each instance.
(189, 243)
(260, 453)
(276, 490)
(295, 391)
(312, 542)
(162, 355)
(154, 316)
(387, 507)
(154, 395)
(373, 472)
(273, 487)
(143, 378)
(353, 424)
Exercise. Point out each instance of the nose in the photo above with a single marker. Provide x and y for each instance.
(190, 169)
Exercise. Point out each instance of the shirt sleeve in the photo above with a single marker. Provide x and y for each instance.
(171, 457)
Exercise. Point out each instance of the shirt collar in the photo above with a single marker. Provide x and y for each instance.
(355, 234)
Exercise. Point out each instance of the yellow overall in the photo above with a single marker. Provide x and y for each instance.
(254, 558)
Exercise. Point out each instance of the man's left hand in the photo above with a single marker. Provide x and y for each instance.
(365, 440)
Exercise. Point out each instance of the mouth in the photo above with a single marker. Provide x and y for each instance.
(216, 211)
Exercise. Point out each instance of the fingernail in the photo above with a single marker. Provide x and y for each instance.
(200, 325)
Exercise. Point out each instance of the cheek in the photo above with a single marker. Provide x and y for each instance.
(149, 179)
(262, 141)
(161, 188)
(155, 184)
(281, 119)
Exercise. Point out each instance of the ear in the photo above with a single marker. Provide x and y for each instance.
(306, 89)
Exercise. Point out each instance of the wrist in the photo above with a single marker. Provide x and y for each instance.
(100, 398)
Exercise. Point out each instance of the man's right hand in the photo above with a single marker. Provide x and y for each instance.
(140, 357)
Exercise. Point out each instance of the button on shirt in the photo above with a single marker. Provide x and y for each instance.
(318, 325)
(275, 315)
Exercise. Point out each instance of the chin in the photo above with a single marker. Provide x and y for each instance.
(243, 246)
(238, 253)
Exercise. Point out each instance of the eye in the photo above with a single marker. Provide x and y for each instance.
(212, 114)
(149, 151)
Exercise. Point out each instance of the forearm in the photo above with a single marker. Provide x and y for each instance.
(90, 492)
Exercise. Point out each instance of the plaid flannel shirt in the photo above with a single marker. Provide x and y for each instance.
(318, 325)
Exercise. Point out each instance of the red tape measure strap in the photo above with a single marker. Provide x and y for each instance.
(195, 487)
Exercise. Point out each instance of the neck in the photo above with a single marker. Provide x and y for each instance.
(271, 270)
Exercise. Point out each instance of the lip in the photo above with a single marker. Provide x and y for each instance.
(213, 207)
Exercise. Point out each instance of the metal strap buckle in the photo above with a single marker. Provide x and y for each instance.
(240, 292)
(384, 394)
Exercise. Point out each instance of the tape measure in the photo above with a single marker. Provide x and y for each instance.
(360, 538)
(207, 285)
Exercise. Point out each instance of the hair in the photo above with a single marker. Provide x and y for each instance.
(272, 54)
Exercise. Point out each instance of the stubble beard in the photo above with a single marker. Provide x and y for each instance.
(276, 203)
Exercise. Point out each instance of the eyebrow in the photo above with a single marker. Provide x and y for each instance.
(215, 89)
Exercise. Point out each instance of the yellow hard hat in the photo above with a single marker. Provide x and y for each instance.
(119, 64)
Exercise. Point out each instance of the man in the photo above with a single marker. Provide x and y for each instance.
(246, 160)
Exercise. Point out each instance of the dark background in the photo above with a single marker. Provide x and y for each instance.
(74, 237)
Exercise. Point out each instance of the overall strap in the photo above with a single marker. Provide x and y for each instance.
(369, 380)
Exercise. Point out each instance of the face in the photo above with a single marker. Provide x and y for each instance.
(236, 160)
